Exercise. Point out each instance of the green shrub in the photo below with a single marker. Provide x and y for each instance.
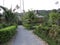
(45, 33)
(42, 28)
(54, 31)
(45, 38)
(3, 25)
(29, 19)
(7, 33)
(28, 26)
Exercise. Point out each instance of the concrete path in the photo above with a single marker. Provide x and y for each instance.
(25, 37)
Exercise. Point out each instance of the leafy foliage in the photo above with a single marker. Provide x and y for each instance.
(7, 33)
(10, 17)
(50, 30)
(29, 19)
(53, 16)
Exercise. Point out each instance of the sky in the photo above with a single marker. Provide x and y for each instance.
(31, 4)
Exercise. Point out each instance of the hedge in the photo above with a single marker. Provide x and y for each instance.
(7, 33)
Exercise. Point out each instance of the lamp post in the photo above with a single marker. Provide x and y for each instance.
(23, 5)
(20, 5)
(3, 2)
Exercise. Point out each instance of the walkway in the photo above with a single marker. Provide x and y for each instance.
(25, 37)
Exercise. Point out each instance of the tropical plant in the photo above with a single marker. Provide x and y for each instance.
(10, 17)
(54, 31)
(53, 16)
(29, 18)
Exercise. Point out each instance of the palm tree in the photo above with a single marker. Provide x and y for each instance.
(10, 17)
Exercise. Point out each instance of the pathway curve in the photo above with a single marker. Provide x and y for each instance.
(25, 37)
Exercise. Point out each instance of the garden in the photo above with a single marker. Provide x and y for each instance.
(8, 24)
(48, 29)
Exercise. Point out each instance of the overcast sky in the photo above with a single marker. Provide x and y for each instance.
(32, 4)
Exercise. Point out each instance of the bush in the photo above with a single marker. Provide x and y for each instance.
(45, 38)
(1, 26)
(28, 26)
(7, 33)
(42, 28)
(29, 19)
(4, 25)
(54, 31)
(49, 34)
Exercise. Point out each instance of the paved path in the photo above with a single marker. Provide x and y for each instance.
(25, 37)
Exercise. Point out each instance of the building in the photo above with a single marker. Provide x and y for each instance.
(40, 18)
(2, 18)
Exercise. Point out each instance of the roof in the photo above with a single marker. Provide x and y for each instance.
(39, 16)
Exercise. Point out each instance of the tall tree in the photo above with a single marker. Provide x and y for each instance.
(9, 15)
